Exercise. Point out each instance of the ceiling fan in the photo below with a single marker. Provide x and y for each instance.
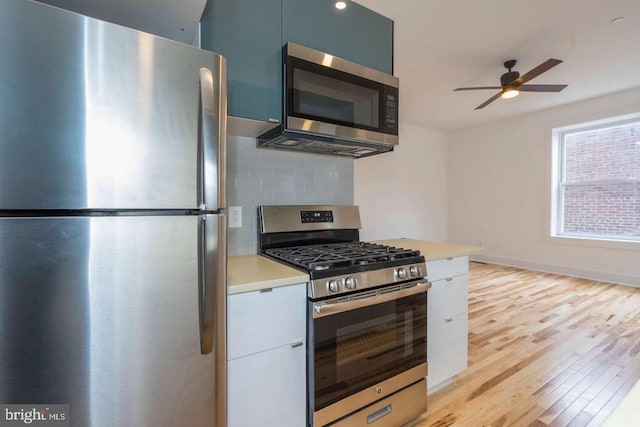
(512, 83)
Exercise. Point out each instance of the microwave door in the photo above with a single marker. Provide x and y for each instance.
(334, 106)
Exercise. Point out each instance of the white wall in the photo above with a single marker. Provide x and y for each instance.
(499, 193)
(404, 193)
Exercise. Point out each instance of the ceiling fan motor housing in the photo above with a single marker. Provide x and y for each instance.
(507, 78)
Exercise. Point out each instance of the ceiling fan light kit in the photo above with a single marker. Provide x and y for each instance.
(509, 93)
(512, 83)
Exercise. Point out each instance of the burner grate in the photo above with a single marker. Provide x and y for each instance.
(336, 255)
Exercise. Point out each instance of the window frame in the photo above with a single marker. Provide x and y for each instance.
(558, 184)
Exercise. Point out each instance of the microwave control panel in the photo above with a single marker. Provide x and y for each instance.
(391, 110)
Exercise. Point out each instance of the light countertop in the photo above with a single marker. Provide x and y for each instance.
(433, 250)
(254, 272)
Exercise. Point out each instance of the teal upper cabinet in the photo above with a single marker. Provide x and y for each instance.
(249, 34)
(354, 33)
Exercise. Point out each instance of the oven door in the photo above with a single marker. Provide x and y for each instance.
(365, 347)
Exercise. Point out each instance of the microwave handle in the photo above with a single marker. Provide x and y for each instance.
(328, 309)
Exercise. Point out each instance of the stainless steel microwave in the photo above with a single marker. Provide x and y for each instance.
(334, 106)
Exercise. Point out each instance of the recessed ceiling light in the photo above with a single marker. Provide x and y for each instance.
(618, 19)
(341, 5)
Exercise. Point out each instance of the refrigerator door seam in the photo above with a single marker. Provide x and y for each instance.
(39, 213)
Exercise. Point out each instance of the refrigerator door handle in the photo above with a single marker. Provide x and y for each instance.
(212, 195)
(213, 281)
(213, 302)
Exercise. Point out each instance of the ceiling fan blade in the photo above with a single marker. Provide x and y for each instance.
(541, 88)
(488, 101)
(478, 88)
(544, 67)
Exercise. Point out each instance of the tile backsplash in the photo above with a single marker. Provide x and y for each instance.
(259, 176)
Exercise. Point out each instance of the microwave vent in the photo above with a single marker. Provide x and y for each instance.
(320, 144)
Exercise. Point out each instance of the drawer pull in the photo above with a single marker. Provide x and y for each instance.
(297, 344)
(265, 290)
(379, 414)
(448, 279)
(450, 259)
(449, 320)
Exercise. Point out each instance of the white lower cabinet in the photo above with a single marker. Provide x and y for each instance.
(447, 319)
(268, 388)
(448, 297)
(266, 319)
(446, 348)
(267, 357)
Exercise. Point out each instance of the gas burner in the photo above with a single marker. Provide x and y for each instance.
(339, 255)
(329, 250)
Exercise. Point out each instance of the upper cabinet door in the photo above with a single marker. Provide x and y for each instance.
(354, 33)
(248, 34)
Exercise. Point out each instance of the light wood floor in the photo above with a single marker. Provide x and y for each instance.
(544, 350)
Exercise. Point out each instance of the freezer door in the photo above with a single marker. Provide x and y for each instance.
(97, 116)
(103, 314)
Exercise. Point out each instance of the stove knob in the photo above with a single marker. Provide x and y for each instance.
(414, 271)
(333, 286)
(401, 273)
(350, 283)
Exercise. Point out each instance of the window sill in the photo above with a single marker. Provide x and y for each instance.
(595, 242)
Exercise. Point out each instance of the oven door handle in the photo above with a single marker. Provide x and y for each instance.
(331, 308)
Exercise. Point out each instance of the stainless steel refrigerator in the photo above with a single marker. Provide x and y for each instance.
(112, 222)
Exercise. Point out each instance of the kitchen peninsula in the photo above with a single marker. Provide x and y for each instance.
(267, 329)
(248, 273)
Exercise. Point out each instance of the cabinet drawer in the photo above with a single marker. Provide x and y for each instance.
(448, 267)
(260, 321)
(447, 344)
(447, 298)
(268, 388)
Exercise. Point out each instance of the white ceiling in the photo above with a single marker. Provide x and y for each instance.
(441, 45)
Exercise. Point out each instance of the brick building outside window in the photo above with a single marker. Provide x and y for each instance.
(598, 181)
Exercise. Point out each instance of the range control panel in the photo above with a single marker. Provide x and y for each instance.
(290, 218)
(364, 280)
(316, 216)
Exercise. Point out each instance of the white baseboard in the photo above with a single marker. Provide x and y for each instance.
(438, 386)
(601, 276)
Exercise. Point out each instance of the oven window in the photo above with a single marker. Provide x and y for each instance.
(357, 349)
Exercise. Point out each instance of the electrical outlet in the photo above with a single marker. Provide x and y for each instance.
(235, 216)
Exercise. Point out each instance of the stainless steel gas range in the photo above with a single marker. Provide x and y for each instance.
(366, 317)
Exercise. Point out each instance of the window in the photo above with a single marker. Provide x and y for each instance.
(597, 181)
